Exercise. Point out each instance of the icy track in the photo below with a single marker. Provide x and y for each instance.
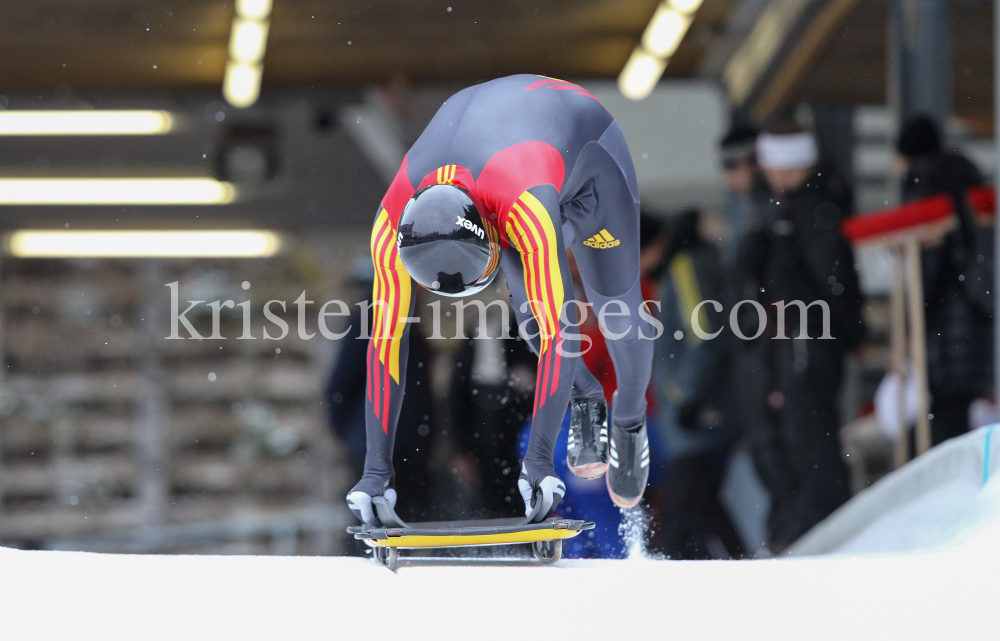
(944, 585)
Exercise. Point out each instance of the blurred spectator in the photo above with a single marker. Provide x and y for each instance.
(789, 388)
(491, 392)
(957, 278)
(737, 151)
(695, 399)
(345, 393)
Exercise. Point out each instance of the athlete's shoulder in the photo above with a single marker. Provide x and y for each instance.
(399, 193)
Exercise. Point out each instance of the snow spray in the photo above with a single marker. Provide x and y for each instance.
(634, 530)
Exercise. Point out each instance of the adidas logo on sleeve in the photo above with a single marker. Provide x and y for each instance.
(603, 240)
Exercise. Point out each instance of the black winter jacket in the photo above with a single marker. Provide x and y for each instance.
(798, 253)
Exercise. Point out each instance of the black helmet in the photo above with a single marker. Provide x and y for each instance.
(444, 243)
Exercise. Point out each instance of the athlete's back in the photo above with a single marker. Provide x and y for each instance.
(477, 122)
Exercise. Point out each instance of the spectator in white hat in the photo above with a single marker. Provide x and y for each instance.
(789, 387)
(787, 159)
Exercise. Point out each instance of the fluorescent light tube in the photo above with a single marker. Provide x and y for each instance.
(686, 6)
(665, 32)
(31, 243)
(247, 41)
(115, 191)
(84, 123)
(640, 75)
(253, 9)
(241, 86)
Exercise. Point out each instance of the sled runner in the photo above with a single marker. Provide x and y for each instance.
(545, 538)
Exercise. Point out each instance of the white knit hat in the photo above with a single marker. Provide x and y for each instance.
(787, 151)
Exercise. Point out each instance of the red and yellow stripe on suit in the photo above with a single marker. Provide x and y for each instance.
(391, 290)
(446, 175)
(529, 229)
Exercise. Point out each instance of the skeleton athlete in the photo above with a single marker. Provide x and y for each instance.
(510, 174)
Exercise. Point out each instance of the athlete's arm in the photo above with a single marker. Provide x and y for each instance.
(392, 302)
(533, 229)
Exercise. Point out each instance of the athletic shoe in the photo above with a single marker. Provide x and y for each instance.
(587, 447)
(629, 469)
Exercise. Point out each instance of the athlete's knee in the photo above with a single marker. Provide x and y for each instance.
(620, 320)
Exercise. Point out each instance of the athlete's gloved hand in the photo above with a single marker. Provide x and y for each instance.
(542, 491)
(359, 500)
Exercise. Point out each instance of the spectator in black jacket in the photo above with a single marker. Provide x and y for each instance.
(789, 386)
(958, 277)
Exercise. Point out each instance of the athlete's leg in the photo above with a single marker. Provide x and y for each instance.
(606, 248)
(604, 211)
(585, 384)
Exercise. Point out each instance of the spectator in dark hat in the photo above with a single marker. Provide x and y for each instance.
(739, 168)
(957, 277)
(919, 138)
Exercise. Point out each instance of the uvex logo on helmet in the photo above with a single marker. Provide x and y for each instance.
(471, 226)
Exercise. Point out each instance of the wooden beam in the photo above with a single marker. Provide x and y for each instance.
(918, 342)
(757, 53)
(801, 56)
(897, 341)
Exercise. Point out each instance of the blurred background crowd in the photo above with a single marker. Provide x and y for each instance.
(757, 127)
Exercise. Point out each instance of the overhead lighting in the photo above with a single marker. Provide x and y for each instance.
(241, 86)
(686, 6)
(248, 40)
(33, 243)
(640, 75)
(660, 40)
(115, 191)
(665, 32)
(253, 9)
(247, 44)
(84, 123)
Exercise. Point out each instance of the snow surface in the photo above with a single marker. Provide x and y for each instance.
(926, 571)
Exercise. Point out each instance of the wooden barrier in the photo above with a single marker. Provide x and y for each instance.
(905, 229)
